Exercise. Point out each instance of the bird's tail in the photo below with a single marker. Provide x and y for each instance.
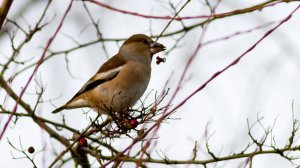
(74, 103)
(58, 109)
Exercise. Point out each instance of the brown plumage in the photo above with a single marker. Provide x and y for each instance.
(120, 81)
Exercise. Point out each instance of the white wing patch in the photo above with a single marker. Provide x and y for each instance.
(78, 103)
(107, 74)
(98, 79)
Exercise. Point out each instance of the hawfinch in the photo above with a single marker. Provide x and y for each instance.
(121, 81)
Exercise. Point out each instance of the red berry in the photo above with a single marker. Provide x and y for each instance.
(83, 142)
(31, 149)
(133, 123)
(160, 60)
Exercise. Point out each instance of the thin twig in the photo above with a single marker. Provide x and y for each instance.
(40, 61)
(169, 23)
(75, 141)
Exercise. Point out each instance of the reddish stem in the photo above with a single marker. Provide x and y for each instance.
(39, 62)
(234, 62)
(154, 126)
(260, 6)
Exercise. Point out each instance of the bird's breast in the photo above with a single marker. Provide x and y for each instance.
(126, 88)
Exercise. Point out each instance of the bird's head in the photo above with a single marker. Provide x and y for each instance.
(140, 44)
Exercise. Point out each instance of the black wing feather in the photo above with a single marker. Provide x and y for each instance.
(94, 84)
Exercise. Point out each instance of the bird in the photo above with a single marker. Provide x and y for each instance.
(120, 81)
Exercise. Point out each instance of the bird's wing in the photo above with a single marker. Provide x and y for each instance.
(108, 71)
(95, 81)
(98, 79)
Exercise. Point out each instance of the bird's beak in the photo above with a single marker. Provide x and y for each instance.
(156, 47)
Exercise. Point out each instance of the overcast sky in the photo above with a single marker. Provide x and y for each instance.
(263, 84)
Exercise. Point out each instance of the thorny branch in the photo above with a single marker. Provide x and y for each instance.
(97, 139)
(209, 18)
(40, 61)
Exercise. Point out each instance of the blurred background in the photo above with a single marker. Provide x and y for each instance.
(262, 86)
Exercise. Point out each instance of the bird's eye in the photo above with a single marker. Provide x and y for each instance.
(145, 42)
